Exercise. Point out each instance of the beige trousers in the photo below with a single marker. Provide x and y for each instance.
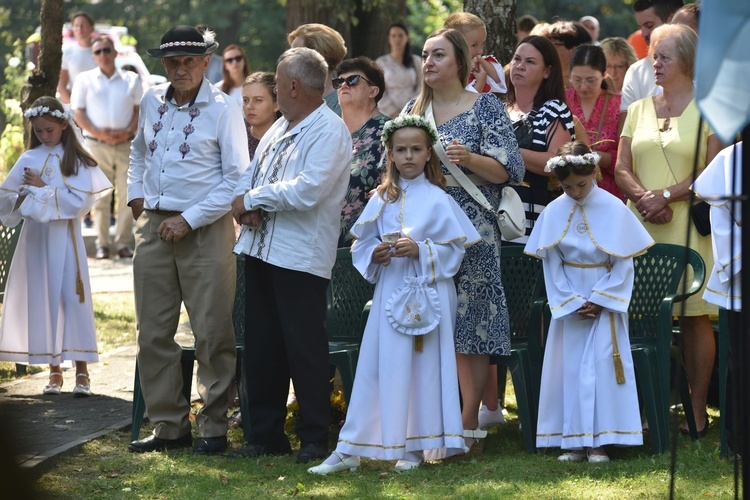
(200, 271)
(113, 160)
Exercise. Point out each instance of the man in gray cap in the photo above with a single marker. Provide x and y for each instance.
(185, 162)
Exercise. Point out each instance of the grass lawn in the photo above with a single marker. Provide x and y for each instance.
(105, 469)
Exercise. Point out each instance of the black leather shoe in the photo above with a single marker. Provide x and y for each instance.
(210, 446)
(153, 443)
(311, 451)
(257, 450)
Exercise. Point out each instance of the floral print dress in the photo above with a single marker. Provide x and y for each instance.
(482, 324)
(365, 175)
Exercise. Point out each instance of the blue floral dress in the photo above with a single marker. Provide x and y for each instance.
(482, 324)
(365, 176)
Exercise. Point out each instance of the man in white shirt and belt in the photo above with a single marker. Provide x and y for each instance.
(185, 162)
(76, 57)
(106, 102)
(289, 202)
(639, 79)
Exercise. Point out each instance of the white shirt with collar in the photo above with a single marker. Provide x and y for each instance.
(299, 178)
(188, 158)
(638, 83)
(109, 101)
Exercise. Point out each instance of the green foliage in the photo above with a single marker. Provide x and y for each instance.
(11, 141)
(616, 17)
(426, 16)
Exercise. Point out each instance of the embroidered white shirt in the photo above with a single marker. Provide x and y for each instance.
(188, 158)
(109, 101)
(299, 178)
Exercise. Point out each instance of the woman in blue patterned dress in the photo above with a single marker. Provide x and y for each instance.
(478, 136)
(360, 85)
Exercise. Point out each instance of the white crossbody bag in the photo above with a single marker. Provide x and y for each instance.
(511, 217)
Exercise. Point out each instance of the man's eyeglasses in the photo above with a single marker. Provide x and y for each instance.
(350, 81)
(105, 50)
(230, 60)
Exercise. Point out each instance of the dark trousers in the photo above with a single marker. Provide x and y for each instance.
(285, 337)
(734, 400)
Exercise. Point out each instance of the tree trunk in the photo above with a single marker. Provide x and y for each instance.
(500, 18)
(43, 80)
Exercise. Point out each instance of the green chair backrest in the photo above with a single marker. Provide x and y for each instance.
(657, 286)
(348, 292)
(8, 241)
(523, 282)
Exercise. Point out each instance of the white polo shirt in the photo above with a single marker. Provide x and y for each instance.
(109, 102)
(638, 83)
(76, 59)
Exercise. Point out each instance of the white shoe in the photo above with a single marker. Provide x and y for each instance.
(53, 389)
(573, 456)
(350, 463)
(404, 465)
(490, 418)
(82, 390)
(598, 459)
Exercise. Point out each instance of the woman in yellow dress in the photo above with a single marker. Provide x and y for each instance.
(655, 169)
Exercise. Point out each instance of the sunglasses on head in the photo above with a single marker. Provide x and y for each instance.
(105, 50)
(350, 81)
(233, 59)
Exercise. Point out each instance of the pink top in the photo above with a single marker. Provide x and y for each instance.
(607, 141)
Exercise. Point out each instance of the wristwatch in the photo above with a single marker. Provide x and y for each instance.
(667, 195)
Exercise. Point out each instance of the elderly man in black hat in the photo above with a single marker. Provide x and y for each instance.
(185, 162)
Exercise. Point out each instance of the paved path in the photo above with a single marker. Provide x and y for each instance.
(41, 427)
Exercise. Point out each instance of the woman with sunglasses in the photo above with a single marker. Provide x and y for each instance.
(236, 69)
(477, 136)
(360, 84)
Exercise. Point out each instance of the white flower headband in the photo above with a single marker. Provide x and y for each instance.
(404, 121)
(561, 161)
(45, 110)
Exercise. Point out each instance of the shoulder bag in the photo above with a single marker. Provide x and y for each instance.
(511, 217)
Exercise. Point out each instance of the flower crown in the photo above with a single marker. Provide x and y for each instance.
(561, 161)
(404, 121)
(45, 110)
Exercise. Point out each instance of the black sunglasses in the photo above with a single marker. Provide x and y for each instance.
(106, 50)
(233, 59)
(350, 81)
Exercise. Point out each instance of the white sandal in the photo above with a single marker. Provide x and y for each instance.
(82, 390)
(53, 389)
(476, 435)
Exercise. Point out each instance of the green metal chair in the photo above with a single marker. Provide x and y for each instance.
(523, 282)
(656, 290)
(8, 241)
(347, 298)
(188, 359)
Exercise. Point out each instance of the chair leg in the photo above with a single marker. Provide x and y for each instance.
(139, 407)
(525, 411)
(187, 363)
(687, 403)
(650, 394)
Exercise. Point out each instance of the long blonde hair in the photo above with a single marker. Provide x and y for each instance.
(73, 151)
(389, 189)
(463, 60)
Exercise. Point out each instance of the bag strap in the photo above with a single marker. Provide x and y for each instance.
(455, 171)
(601, 118)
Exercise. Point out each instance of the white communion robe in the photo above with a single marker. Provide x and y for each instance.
(404, 400)
(43, 320)
(588, 247)
(717, 181)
